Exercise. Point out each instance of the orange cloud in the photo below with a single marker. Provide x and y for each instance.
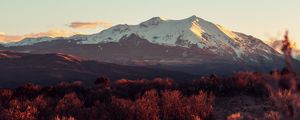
(90, 25)
(2, 33)
(9, 38)
(277, 44)
(51, 33)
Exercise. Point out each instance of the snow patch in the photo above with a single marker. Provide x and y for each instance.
(29, 41)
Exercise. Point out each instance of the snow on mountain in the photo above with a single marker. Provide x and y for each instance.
(298, 57)
(296, 53)
(189, 32)
(192, 30)
(186, 33)
(29, 41)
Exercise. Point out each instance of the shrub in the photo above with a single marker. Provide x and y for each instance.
(69, 105)
(20, 110)
(120, 109)
(146, 107)
(175, 106)
(102, 81)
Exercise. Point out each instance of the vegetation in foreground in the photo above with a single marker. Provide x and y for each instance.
(245, 95)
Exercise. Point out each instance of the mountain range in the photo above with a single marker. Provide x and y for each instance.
(192, 45)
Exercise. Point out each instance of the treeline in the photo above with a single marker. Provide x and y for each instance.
(160, 98)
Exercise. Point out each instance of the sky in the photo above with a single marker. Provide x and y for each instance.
(265, 19)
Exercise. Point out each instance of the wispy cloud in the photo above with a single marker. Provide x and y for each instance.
(51, 33)
(90, 25)
(277, 44)
(2, 33)
(9, 38)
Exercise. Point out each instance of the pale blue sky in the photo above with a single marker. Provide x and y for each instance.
(260, 18)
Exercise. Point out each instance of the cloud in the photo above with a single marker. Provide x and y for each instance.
(51, 33)
(2, 33)
(277, 44)
(9, 38)
(90, 25)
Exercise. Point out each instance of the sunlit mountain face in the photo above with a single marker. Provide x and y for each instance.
(192, 45)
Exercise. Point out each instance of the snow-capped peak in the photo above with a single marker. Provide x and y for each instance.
(194, 18)
(157, 30)
(185, 33)
(192, 30)
(153, 21)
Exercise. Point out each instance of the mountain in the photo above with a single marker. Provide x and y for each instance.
(296, 53)
(46, 69)
(191, 45)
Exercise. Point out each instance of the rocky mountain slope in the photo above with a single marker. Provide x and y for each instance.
(191, 45)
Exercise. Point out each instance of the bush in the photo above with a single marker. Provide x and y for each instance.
(69, 105)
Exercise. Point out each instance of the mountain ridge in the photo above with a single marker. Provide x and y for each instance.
(185, 33)
(47, 69)
(159, 42)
